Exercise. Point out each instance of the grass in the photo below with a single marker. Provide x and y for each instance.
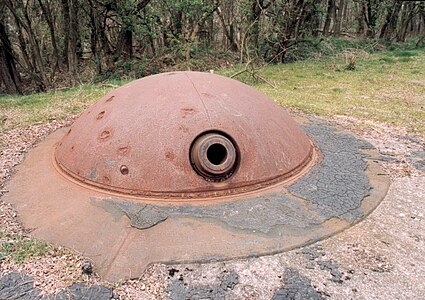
(20, 248)
(387, 87)
(19, 111)
(404, 53)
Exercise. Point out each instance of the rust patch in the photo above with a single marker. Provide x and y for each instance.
(100, 115)
(106, 134)
(123, 151)
(110, 99)
(208, 95)
(183, 129)
(169, 155)
(187, 112)
(106, 180)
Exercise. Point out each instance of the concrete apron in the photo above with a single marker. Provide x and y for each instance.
(123, 236)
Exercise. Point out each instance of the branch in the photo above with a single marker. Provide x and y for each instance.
(249, 68)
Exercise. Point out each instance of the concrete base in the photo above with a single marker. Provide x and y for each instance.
(123, 236)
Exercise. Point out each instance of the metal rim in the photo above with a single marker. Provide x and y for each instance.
(214, 156)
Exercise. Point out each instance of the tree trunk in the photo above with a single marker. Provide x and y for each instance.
(73, 39)
(24, 48)
(370, 18)
(8, 73)
(94, 38)
(255, 21)
(339, 17)
(421, 41)
(330, 15)
(25, 22)
(49, 19)
(66, 28)
(407, 15)
(390, 25)
(192, 34)
(227, 31)
(360, 12)
(315, 18)
(125, 36)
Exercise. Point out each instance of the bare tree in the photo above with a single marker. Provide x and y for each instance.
(8, 73)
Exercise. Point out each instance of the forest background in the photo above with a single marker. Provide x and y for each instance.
(51, 44)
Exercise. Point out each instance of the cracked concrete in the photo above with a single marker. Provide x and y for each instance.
(337, 185)
(383, 257)
(418, 160)
(334, 188)
(18, 286)
(296, 287)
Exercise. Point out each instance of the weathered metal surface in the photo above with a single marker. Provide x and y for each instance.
(137, 139)
(108, 228)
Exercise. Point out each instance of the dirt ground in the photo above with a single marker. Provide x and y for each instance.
(382, 257)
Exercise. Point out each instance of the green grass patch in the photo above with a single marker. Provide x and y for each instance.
(404, 53)
(381, 88)
(18, 111)
(405, 59)
(20, 248)
(388, 60)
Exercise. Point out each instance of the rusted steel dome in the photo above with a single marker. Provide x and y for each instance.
(183, 134)
(192, 167)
